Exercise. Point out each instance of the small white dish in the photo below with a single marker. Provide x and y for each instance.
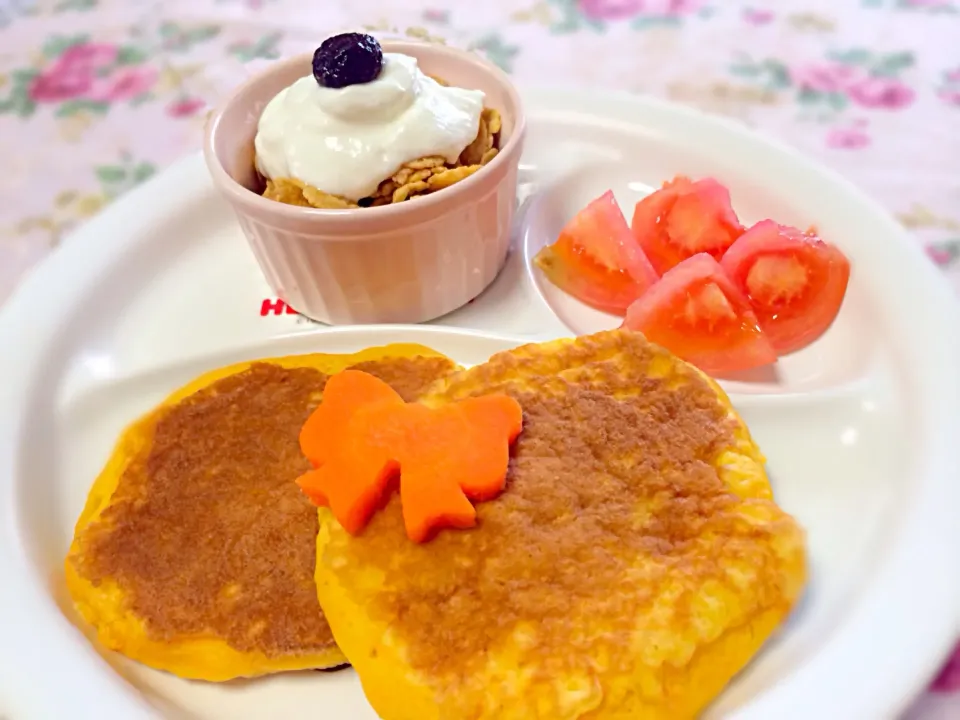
(860, 429)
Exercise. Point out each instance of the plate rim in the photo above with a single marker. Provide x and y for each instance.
(49, 293)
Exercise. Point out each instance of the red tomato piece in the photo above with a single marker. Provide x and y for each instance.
(795, 282)
(684, 218)
(698, 314)
(597, 259)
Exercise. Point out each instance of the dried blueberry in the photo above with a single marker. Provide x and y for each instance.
(348, 59)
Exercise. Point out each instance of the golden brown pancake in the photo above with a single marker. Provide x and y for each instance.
(635, 562)
(195, 551)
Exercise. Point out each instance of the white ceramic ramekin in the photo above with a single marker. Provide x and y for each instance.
(402, 263)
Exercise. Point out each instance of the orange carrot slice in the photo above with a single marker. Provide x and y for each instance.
(345, 392)
(363, 434)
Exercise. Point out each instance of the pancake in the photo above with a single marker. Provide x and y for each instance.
(195, 551)
(633, 565)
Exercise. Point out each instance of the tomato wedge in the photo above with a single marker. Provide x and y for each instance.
(698, 314)
(795, 281)
(597, 259)
(684, 218)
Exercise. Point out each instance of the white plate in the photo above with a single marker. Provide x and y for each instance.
(860, 429)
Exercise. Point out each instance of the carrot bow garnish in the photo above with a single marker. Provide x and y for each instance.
(363, 434)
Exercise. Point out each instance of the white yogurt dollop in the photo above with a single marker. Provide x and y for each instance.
(346, 141)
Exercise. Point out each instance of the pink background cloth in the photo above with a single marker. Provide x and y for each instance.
(98, 95)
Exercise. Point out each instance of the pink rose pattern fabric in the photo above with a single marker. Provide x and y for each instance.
(98, 95)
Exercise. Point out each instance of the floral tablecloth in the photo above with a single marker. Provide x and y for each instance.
(98, 95)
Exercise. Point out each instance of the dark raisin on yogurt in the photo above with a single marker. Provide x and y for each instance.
(347, 59)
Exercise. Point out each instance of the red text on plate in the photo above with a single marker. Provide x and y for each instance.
(275, 306)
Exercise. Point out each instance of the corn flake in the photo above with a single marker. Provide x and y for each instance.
(433, 161)
(493, 119)
(409, 190)
(473, 153)
(451, 176)
(325, 201)
(417, 177)
(385, 189)
(286, 190)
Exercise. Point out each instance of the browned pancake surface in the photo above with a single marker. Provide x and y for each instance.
(410, 377)
(207, 533)
(615, 463)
